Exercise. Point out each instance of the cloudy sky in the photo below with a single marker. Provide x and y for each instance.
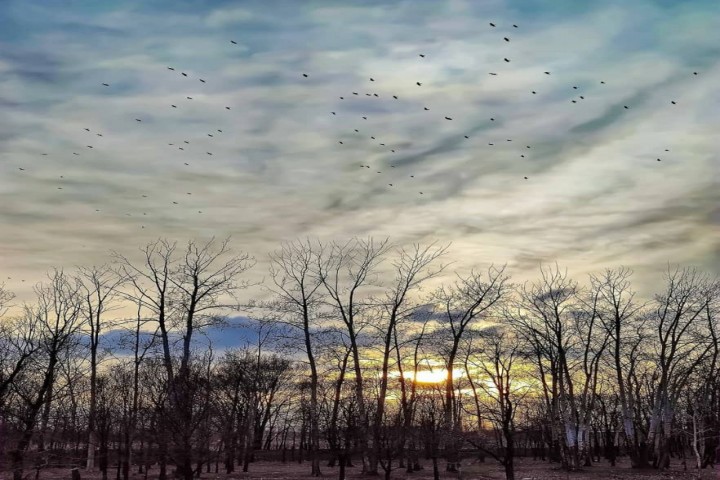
(595, 194)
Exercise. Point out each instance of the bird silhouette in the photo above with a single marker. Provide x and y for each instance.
(426, 108)
(507, 60)
(183, 74)
(448, 118)
(372, 79)
(419, 84)
(395, 97)
(233, 42)
(492, 24)
(105, 84)
(492, 73)
(305, 75)
(506, 39)
(227, 108)
(203, 81)
(171, 68)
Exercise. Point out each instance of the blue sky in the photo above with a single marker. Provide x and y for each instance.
(595, 196)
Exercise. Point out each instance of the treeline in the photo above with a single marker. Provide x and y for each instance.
(361, 353)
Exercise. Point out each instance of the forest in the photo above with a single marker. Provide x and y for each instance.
(359, 354)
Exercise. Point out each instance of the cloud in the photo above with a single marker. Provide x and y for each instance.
(595, 193)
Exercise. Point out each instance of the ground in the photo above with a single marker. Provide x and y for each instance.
(525, 470)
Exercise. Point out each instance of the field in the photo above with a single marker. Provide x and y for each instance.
(525, 470)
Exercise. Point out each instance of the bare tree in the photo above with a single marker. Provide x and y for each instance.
(344, 271)
(297, 303)
(469, 299)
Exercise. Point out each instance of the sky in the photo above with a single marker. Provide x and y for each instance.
(595, 195)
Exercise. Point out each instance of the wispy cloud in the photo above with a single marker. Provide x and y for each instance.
(595, 194)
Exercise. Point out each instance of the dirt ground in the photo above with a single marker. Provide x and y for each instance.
(525, 470)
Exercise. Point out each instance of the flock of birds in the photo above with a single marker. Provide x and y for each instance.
(360, 131)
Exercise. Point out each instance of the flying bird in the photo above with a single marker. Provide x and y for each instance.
(233, 42)
(506, 39)
(492, 24)
(105, 84)
(305, 75)
(395, 97)
(372, 79)
(448, 118)
(507, 60)
(419, 84)
(203, 81)
(227, 108)
(492, 73)
(183, 74)
(171, 68)
(423, 56)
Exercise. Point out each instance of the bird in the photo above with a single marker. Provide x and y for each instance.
(526, 178)
(534, 92)
(390, 184)
(208, 153)
(333, 113)
(492, 119)
(187, 164)
(382, 144)
(515, 26)
(582, 98)
(342, 98)
(375, 95)
(695, 73)
(181, 148)
(507, 60)
(421, 193)
(357, 130)
(626, 107)
(173, 106)
(373, 138)
(171, 68)
(448, 118)
(492, 73)
(183, 74)
(189, 98)
(602, 83)
(75, 153)
(673, 102)
(209, 135)
(185, 141)
(99, 134)
(21, 169)
(492, 24)
(395, 97)
(219, 130)
(138, 120)
(175, 203)
(89, 146)
(364, 118)
(573, 101)
(341, 143)
(106, 84)
(227, 108)
(466, 136)
(419, 84)
(372, 79)
(426, 108)
(393, 151)
(506, 39)
(87, 129)
(233, 42)
(305, 75)
(355, 93)
(575, 88)
(659, 160)
(547, 73)
(203, 81)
